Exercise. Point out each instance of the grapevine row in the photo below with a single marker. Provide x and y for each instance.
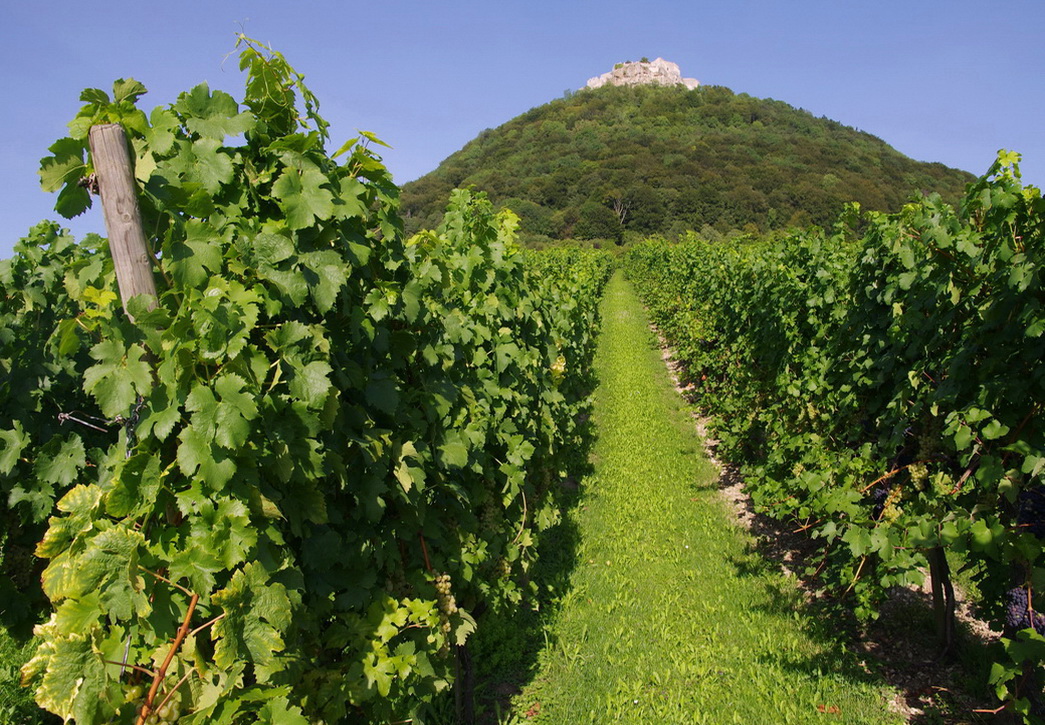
(881, 386)
(287, 492)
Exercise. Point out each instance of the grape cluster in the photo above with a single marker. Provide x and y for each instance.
(447, 603)
(558, 369)
(396, 584)
(169, 712)
(928, 442)
(885, 503)
(447, 606)
(1030, 510)
(943, 484)
(878, 496)
(1018, 612)
(1019, 615)
(919, 473)
(890, 510)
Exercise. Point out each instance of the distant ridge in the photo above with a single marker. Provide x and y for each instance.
(624, 161)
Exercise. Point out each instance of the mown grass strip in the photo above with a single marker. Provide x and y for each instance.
(670, 616)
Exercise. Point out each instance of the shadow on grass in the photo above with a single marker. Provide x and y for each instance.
(506, 645)
(899, 650)
(505, 648)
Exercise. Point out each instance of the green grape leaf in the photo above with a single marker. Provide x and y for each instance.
(217, 470)
(212, 115)
(302, 197)
(68, 335)
(198, 566)
(271, 249)
(268, 94)
(377, 304)
(506, 354)
(61, 460)
(290, 283)
(279, 711)
(162, 415)
(196, 454)
(72, 201)
(73, 677)
(379, 671)
(859, 540)
(62, 172)
(202, 162)
(963, 437)
(256, 612)
(374, 139)
(162, 132)
(453, 453)
(463, 626)
(118, 377)
(330, 277)
(345, 147)
(12, 442)
(383, 394)
(351, 202)
(225, 530)
(411, 296)
(193, 260)
(79, 615)
(127, 89)
(403, 475)
(135, 485)
(358, 254)
(110, 567)
(212, 167)
(234, 412)
(311, 383)
(66, 166)
(94, 95)
(994, 430)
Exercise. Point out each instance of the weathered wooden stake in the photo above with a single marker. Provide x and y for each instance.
(118, 190)
(943, 600)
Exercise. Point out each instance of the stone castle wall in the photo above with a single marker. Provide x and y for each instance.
(657, 72)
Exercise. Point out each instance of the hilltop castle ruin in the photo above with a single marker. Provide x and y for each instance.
(658, 72)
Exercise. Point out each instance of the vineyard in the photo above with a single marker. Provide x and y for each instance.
(881, 387)
(289, 486)
(292, 485)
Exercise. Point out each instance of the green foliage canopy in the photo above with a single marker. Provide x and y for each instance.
(883, 390)
(320, 420)
(676, 159)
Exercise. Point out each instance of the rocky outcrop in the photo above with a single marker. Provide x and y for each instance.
(658, 72)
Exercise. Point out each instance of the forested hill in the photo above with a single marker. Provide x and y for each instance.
(621, 161)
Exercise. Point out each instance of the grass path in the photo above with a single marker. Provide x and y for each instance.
(669, 616)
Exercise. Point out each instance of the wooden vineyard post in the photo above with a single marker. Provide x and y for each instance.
(118, 190)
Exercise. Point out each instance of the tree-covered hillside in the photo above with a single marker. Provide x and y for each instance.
(645, 159)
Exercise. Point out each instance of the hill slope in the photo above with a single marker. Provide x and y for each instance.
(603, 162)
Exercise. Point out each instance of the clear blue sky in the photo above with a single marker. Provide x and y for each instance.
(943, 80)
